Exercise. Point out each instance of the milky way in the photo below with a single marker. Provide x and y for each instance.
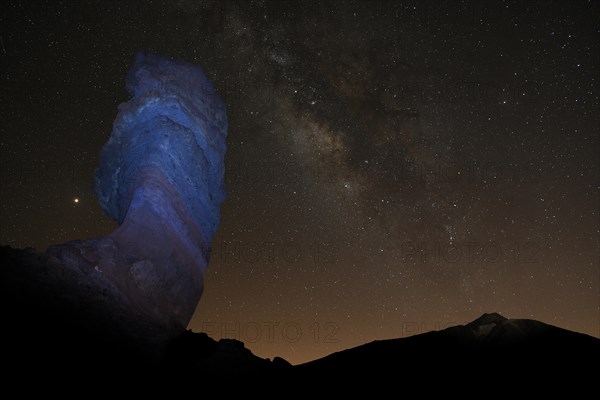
(391, 168)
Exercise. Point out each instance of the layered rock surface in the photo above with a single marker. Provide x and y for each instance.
(161, 179)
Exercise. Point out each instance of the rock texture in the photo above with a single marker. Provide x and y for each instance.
(161, 179)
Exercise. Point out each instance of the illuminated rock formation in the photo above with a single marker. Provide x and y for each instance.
(161, 179)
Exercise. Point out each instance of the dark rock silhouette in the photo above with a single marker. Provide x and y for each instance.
(50, 317)
(197, 353)
(492, 346)
(57, 319)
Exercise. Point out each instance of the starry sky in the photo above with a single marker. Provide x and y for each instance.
(392, 167)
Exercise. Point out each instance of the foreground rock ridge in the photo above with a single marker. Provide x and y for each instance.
(161, 179)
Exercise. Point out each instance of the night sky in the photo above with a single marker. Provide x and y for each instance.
(392, 168)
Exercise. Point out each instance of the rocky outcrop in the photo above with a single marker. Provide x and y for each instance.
(161, 178)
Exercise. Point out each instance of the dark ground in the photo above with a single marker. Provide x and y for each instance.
(53, 332)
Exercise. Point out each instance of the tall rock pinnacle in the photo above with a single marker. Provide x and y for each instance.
(161, 179)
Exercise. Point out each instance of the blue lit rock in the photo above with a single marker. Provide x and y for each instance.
(161, 179)
(175, 124)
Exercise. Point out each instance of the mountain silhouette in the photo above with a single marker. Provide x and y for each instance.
(51, 320)
(486, 349)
